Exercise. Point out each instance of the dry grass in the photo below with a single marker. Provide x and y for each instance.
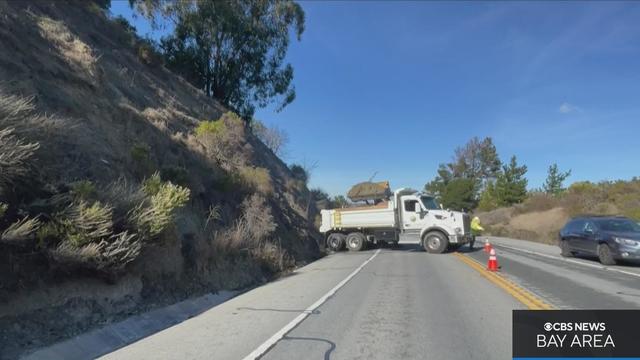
(256, 179)
(3, 209)
(15, 151)
(251, 229)
(541, 216)
(252, 233)
(76, 52)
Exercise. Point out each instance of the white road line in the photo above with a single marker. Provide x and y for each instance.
(601, 267)
(265, 346)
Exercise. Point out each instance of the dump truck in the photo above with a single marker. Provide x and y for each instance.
(405, 217)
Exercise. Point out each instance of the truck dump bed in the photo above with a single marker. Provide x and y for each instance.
(369, 191)
(381, 215)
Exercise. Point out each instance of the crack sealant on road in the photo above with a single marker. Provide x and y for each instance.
(264, 347)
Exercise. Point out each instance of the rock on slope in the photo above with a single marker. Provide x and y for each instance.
(113, 113)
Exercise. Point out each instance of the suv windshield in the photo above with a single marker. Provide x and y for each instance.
(622, 225)
(429, 203)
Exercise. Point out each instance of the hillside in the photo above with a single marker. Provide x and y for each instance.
(541, 216)
(98, 235)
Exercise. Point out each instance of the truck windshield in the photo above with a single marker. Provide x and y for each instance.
(429, 203)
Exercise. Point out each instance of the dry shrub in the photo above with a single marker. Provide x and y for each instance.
(252, 232)
(83, 223)
(18, 121)
(256, 179)
(111, 254)
(224, 139)
(105, 229)
(124, 197)
(14, 156)
(255, 224)
(273, 257)
(148, 54)
(604, 198)
(497, 216)
(83, 190)
(154, 214)
(273, 137)
(20, 231)
(537, 201)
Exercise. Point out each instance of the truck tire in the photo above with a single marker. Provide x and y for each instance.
(355, 241)
(336, 241)
(605, 256)
(435, 243)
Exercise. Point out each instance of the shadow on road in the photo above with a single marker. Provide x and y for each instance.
(314, 312)
(327, 354)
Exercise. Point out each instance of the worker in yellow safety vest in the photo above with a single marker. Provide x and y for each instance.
(476, 230)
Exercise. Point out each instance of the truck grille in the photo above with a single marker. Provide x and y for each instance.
(466, 221)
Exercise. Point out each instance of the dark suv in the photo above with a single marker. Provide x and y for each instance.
(610, 238)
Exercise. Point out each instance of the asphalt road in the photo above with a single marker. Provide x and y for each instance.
(393, 304)
(407, 305)
(403, 304)
(567, 283)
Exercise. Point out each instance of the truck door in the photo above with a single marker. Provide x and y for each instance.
(410, 218)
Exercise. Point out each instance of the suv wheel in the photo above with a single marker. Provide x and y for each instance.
(565, 249)
(605, 256)
(435, 243)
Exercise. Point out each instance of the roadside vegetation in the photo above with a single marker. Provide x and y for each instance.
(145, 188)
(477, 180)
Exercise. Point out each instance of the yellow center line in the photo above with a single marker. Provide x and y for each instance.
(519, 293)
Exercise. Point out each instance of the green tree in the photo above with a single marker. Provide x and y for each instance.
(340, 201)
(476, 161)
(233, 50)
(555, 178)
(488, 198)
(460, 194)
(438, 185)
(511, 185)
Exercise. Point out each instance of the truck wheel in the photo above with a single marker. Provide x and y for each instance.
(435, 243)
(335, 241)
(605, 256)
(355, 241)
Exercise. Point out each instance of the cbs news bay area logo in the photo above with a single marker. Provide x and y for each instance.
(592, 336)
(560, 334)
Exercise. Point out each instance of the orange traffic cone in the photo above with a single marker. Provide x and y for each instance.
(487, 246)
(492, 265)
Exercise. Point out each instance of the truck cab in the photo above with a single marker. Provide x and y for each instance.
(422, 220)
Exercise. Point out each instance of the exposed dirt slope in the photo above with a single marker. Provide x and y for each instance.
(117, 117)
(540, 226)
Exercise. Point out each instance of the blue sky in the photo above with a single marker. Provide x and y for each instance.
(395, 87)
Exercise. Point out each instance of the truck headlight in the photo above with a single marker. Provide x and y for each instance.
(458, 230)
(624, 241)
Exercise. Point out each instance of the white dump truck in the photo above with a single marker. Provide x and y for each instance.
(406, 217)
